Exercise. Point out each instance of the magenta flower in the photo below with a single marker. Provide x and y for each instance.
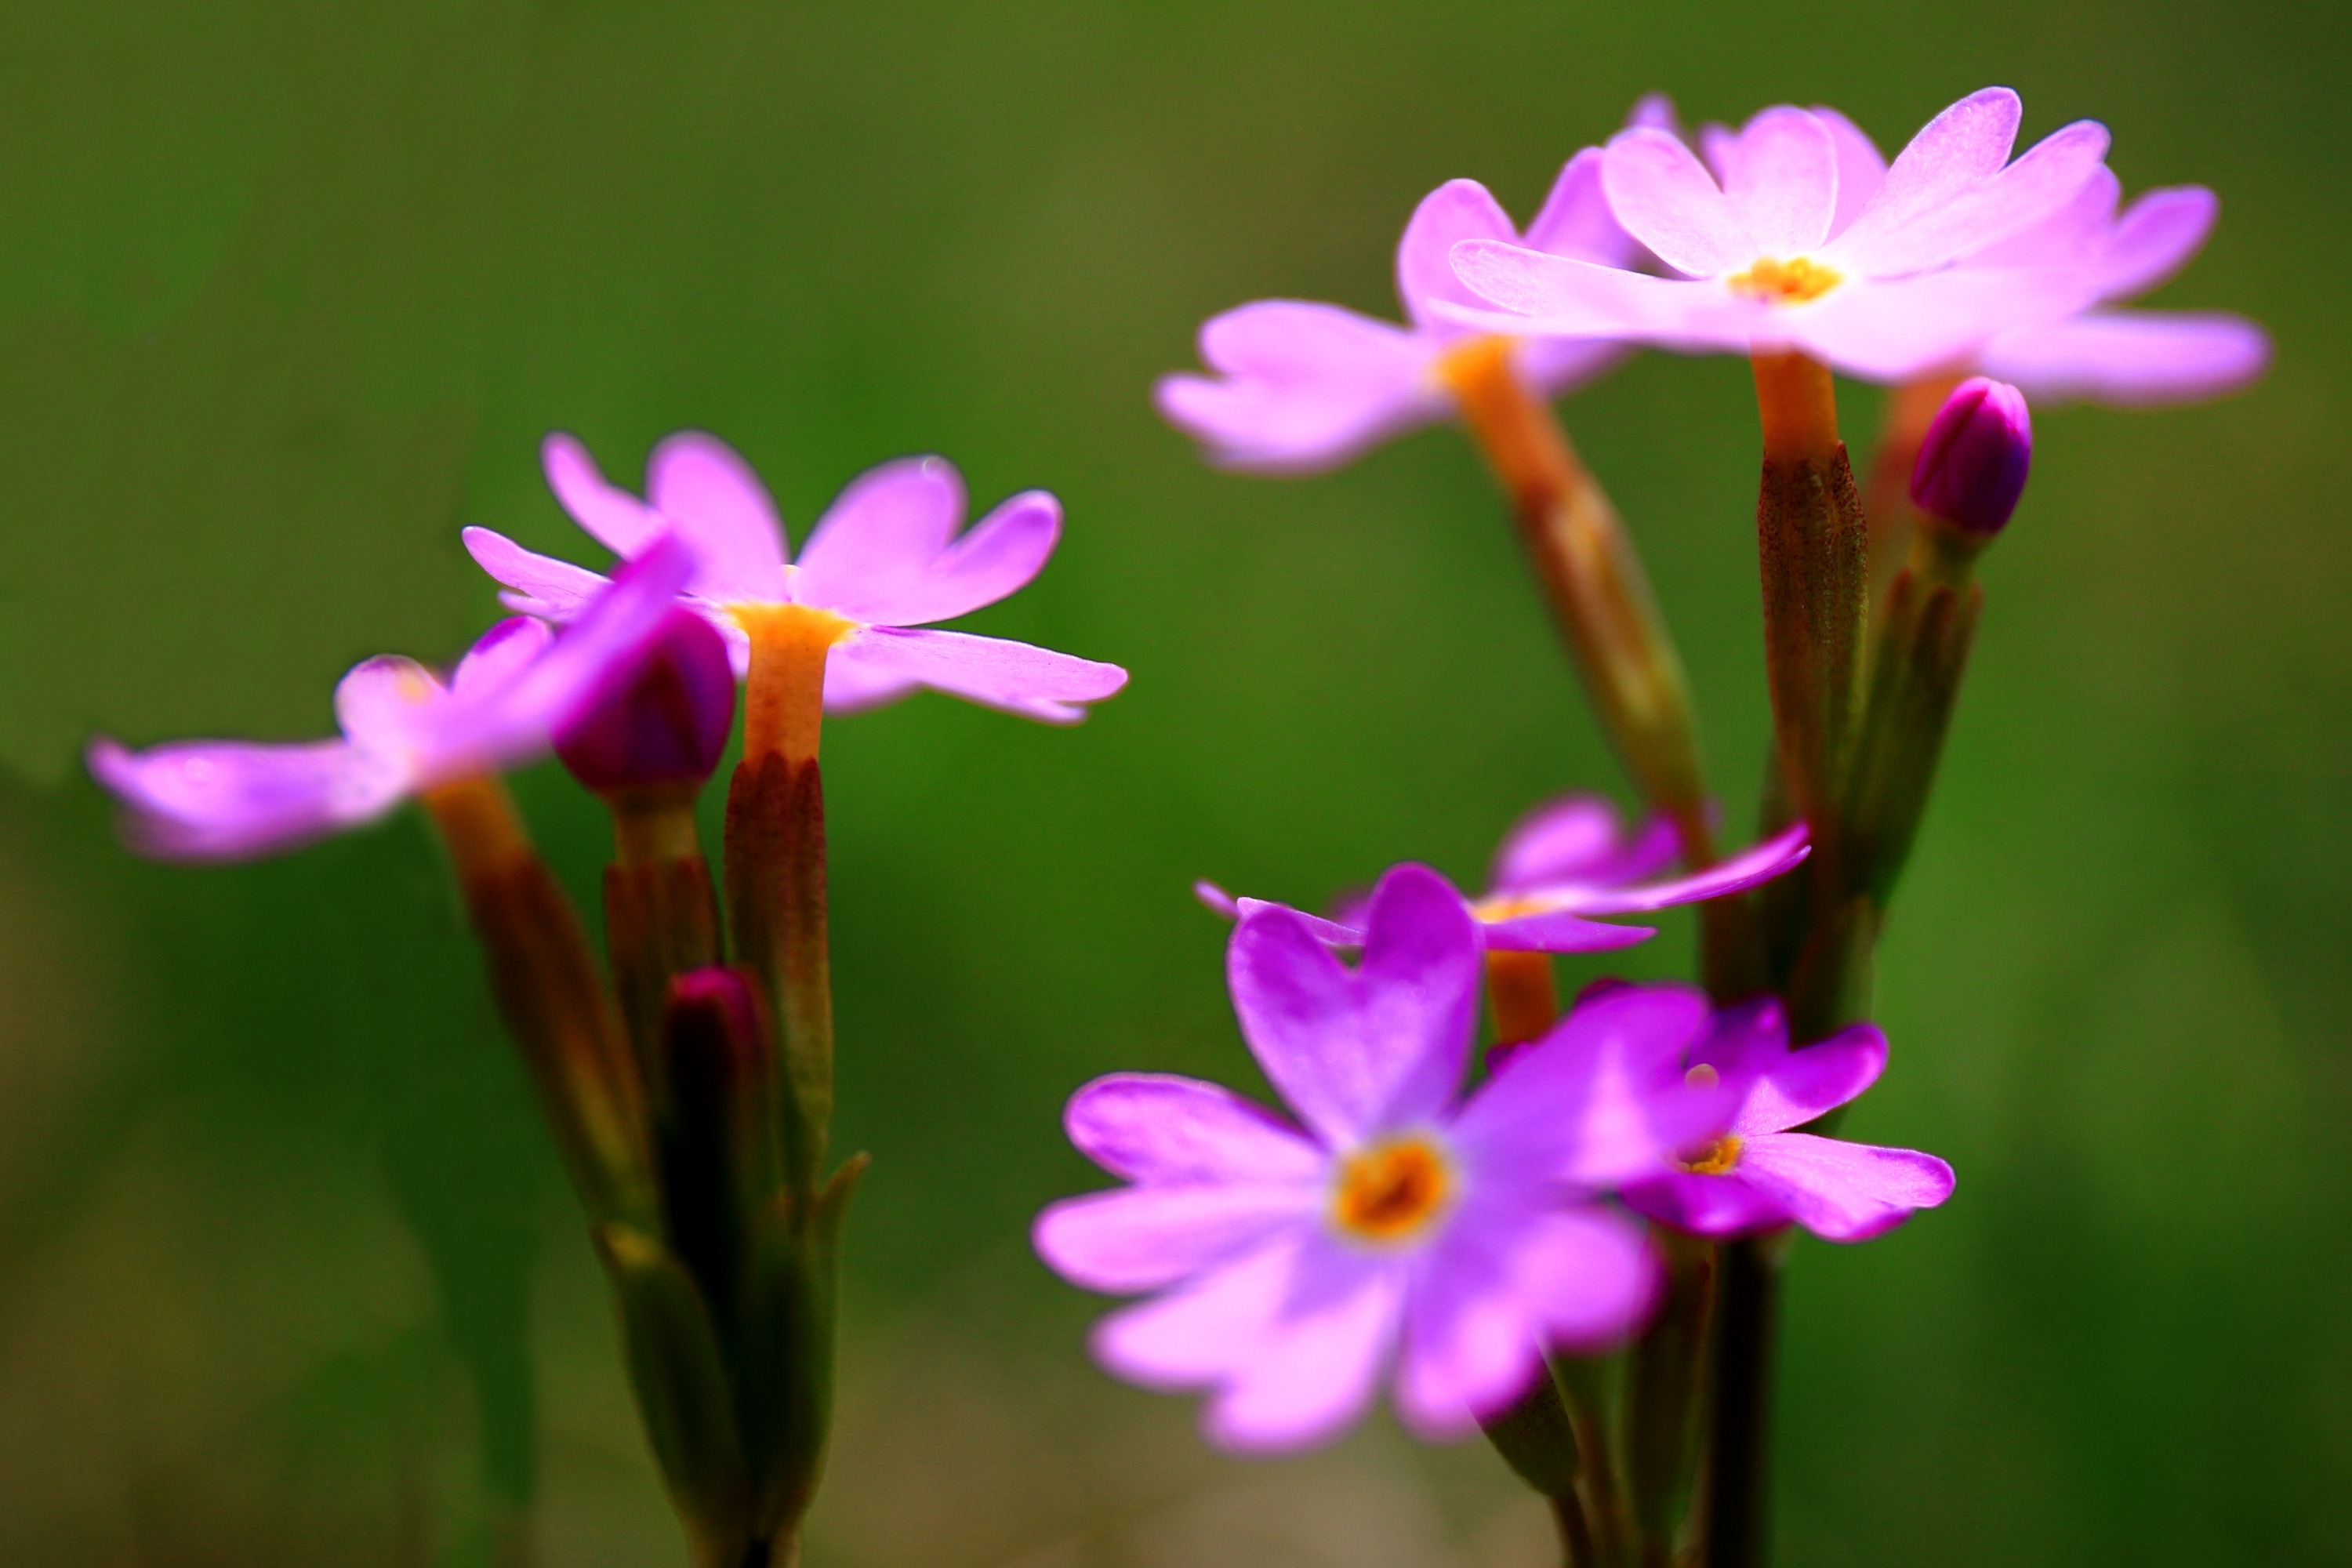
(403, 731)
(1295, 1261)
(1757, 1175)
(884, 557)
(1301, 386)
(1798, 241)
(1565, 861)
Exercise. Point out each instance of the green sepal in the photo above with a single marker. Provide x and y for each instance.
(1536, 1439)
(681, 1382)
(789, 1316)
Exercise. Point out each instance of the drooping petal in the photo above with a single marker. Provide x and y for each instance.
(1456, 210)
(717, 504)
(613, 517)
(1156, 1128)
(1357, 1053)
(536, 585)
(1292, 1337)
(876, 544)
(1146, 1238)
(1667, 200)
(1841, 1191)
(996, 672)
(1503, 1285)
(1575, 219)
(1718, 1207)
(1301, 386)
(1600, 1099)
(996, 556)
(2130, 357)
(1861, 167)
(1782, 178)
(1548, 295)
(1348, 932)
(1757, 864)
(228, 800)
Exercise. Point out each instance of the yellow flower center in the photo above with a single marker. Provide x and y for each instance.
(1778, 282)
(1713, 1160)
(1390, 1191)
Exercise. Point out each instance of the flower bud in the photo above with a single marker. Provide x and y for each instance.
(668, 724)
(1973, 463)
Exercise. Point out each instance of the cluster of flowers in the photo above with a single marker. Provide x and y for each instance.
(702, 552)
(1298, 1256)
(1792, 233)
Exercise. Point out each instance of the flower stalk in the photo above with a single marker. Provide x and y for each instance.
(1601, 598)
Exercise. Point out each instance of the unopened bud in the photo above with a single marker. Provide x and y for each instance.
(719, 1152)
(1973, 463)
(668, 725)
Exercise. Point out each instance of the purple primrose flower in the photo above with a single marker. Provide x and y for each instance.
(1301, 386)
(1295, 1261)
(1801, 239)
(403, 731)
(1563, 862)
(885, 557)
(1757, 1175)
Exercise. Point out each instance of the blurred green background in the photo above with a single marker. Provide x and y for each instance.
(289, 292)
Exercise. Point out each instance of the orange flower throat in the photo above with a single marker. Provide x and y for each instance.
(1782, 282)
(1390, 1191)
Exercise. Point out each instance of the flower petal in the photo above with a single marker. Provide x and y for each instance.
(536, 585)
(1718, 1207)
(997, 556)
(719, 507)
(614, 518)
(1579, 838)
(877, 542)
(1954, 154)
(1979, 214)
(1758, 863)
(1786, 1088)
(1558, 930)
(500, 653)
(1861, 167)
(379, 700)
(1895, 331)
(1356, 1053)
(1034, 683)
(1841, 1191)
(1145, 1238)
(1667, 199)
(1781, 176)
(1459, 209)
(2154, 238)
(1556, 295)
(1156, 1128)
(228, 800)
(2130, 357)
(1301, 386)
(1575, 219)
(1503, 1285)
(1599, 1100)
(1292, 1337)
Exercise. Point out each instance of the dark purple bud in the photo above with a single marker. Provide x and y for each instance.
(1973, 463)
(669, 724)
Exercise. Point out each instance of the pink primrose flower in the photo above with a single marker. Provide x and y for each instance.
(404, 730)
(1390, 1225)
(1301, 386)
(1565, 861)
(1756, 1173)
(1801, 239)
(884, 556)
